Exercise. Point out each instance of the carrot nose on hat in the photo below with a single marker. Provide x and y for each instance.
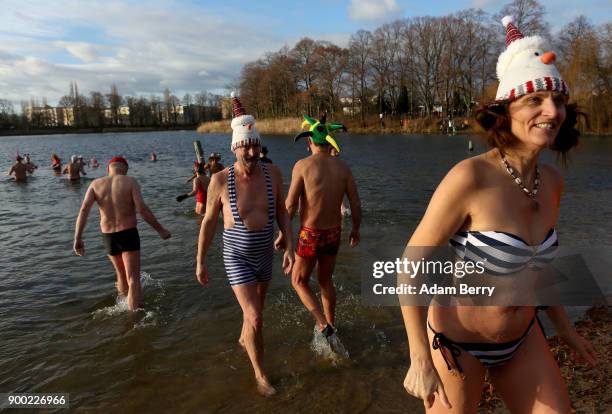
(548, 58)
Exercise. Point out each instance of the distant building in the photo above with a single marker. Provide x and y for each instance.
(123, 116)
(49, 117)
(349, 107)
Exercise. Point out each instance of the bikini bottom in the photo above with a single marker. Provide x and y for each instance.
(488, 354)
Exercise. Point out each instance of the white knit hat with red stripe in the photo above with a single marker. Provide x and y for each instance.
(526, 66)
(243, 126)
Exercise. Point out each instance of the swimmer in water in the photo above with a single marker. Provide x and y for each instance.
(200, 188)
(74, 169)
(56, 164)
(18, 169)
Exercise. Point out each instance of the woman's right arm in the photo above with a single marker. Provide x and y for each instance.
(448, 210)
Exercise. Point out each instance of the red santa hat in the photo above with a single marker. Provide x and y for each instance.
(526, 66)
(243, 126)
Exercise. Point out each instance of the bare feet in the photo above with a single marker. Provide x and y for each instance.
(264, 387)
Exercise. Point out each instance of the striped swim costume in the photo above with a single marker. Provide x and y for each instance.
(247, 254)
(488, 354)
(504, 253)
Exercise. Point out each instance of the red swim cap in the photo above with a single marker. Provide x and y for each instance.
(117, 159)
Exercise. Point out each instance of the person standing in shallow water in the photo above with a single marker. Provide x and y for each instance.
(74, 169)
(30, 166)
(19, 170)
(318, 185)
(250, 195)
(200, 187)
(56, 164)
(213, 166)
(503, 200)
(119, 199)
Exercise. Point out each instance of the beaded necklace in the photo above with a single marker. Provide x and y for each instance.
(536, 182)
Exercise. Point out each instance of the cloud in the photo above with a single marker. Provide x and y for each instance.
(83, 51)
(374, 10)
(142, 48)
(481, 4)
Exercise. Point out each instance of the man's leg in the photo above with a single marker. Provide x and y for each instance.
(300, 276)
(131, 260)
(252, 333)
(262, 289)
(327, 263)
(122, 284)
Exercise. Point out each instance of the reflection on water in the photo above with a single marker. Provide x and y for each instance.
(64, 329)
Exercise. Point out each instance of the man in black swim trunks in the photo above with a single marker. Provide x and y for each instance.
(119, 199)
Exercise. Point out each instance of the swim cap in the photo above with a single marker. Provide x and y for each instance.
(73, 158)
(117, 159)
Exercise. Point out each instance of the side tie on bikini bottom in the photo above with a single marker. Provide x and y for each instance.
(441, 342)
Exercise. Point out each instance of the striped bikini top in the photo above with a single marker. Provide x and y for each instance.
(504, 253)
(231, 187)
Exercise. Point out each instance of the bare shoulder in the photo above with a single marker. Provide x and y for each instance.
(218, 180)
(130, 181)
(465, 174)
(552, 174)
(98, 183)
(300, 164)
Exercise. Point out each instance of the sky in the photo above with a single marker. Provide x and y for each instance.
(191, 46)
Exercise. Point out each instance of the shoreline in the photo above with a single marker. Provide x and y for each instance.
(113, 130)
(267, 127)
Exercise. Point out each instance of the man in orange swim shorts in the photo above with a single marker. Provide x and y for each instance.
(318, 185)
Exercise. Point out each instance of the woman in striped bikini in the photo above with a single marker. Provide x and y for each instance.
(498, 202)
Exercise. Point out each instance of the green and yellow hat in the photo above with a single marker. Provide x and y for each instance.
(320, 132)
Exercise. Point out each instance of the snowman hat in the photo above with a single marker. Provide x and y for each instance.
(526, 66)
(243, 126)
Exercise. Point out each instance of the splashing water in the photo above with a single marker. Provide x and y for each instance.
(121, 305)
(330, 348)
(118, 308)
(148, 320)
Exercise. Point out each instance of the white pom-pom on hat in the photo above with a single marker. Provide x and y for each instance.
(507, 20)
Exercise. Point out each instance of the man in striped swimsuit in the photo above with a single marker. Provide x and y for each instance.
(250, 195)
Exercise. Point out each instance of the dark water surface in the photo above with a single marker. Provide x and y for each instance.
(62, 331)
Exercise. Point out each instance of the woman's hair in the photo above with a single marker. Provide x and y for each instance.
(495, 120)
(200, 168)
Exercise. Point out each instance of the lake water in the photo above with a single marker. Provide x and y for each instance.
(62, 330)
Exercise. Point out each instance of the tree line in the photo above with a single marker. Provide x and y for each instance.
(98, 110)
(425, 66)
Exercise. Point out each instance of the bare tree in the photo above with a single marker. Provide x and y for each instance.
(306, 66)
(528, 17)
(332, 68)
(360, 50)
(114, 102)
